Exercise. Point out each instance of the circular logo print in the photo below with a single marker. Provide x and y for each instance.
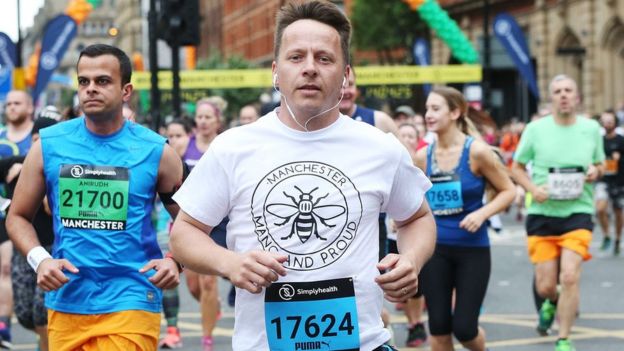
(309, 211)
(77, 171)
(286, 292)
(48, 61)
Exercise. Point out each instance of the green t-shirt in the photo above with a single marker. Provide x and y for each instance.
(551, 147)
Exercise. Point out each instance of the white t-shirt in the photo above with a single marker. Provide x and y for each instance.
(316, 197)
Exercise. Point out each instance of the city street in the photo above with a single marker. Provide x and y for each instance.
(509, 318)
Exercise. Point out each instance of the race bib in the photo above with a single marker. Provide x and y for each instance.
(565, 183)
(611, 167)
(93, 197)
(445, 196)
(319, 315)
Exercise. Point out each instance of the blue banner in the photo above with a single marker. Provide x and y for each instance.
(6, 82)
(8, 52)
(58, 33)
(7, 63)
(512, 38)
(421, 53)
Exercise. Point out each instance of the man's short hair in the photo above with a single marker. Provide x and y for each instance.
(317, 10)
(559, 78)
(96, 50)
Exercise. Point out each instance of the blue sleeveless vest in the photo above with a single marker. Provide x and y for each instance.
(101, 191)
(453, 196)
(364, 114)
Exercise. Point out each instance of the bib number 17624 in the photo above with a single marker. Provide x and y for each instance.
(323, 325)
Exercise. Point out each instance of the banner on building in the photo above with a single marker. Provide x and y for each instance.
(262, 78)
(8, 52)
(422, 54)
(8, 58)
(57, 35)
(512, 38)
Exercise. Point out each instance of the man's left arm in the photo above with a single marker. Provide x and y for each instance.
(416, 241)
(596, 169)
(170, 174)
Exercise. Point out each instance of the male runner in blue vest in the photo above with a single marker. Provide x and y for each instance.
(101, 173)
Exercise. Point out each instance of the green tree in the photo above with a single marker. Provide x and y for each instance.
(236, 98)
(386, 25)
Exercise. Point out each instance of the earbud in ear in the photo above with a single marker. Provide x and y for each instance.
(275, 79)
(344, 82)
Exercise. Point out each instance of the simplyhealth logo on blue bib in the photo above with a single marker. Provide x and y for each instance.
(309, 211)
(93, 197)
(445, 196)
(318, 315)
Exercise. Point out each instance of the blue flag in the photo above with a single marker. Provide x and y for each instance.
(421, 53)
(59, 32)
(8, 53)
(511, 37)
(7, 63)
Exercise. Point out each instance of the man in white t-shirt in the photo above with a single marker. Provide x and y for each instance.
(303, 202)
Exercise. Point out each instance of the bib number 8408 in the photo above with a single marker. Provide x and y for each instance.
(312, 328)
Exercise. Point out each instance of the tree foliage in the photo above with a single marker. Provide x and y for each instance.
(236, 98)
(385, 25)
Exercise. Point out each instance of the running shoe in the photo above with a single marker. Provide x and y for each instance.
(606, 243)
(172, 340)
(546, 317)
(564, 345)
(616, 248)
(207, 343)
(416, 335)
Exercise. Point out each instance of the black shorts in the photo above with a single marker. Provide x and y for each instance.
(383, 236)
(385, 347)
(4, 235)
(548, 226)
(616, 195)
(392, 248)
(28, 298)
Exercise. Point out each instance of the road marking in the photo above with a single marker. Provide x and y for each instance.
(190, 326)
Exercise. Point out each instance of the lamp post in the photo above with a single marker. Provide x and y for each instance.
(485, 83)
(153, 60)
(18, 70)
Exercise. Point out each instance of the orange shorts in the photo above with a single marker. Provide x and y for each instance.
(546, 248)
(119, 331)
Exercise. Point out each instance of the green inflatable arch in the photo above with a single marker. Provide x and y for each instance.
(446, 28)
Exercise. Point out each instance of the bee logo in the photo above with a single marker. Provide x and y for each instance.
(306, 212)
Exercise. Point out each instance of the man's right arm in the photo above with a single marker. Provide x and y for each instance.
(27, 198)
(192, 246)
(521, 176)
(29, 194)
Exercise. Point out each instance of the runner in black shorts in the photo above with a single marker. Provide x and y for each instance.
(28, 303)
(611, 187)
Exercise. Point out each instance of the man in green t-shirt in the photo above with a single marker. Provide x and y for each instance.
(566, 154)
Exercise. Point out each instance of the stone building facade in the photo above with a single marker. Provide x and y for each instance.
(581, 38)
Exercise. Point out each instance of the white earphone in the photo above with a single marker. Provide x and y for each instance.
(274, 79)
